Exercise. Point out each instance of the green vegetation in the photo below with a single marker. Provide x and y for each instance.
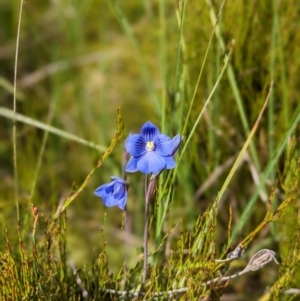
(223, 74)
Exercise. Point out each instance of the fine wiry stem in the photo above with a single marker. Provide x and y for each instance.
(124, 160)
(16, 185)
(146, 230)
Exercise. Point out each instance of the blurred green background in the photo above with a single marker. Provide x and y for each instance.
(79, 61)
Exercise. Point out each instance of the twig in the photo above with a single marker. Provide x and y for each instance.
(78, 280)
(292, 291)
(236, 253)
(257, 261)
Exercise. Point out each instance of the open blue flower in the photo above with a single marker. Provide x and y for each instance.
(151, 151)
(113, 193)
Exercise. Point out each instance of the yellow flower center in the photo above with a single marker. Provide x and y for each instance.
(150, 146)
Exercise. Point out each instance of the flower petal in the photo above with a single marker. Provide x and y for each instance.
(100, 191)
(163, 145)
(176, 141)
(135, 145)
(113, 193)
(119, 190)
(132, 164)
(117, 179)
(151, 163)
(110, 201)
(149, 131)
(170, 162)
(104, 189)
(122, 202)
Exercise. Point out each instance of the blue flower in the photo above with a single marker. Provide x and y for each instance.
(151, 151)
(113, 193)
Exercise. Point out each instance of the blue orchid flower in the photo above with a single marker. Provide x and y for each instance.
(113, 193)
(151, 151)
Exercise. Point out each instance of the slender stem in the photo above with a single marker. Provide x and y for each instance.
(216, 21)
(125, 220)
(121, 17)
(146, 230)
(126, 230)
(124, 161)
(163, 60)
(271, 122)
(173, 174)
(181, 22)
(14, 134)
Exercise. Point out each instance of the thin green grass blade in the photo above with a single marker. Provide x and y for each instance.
(37, 170)
(7, 86)
(141, 63)
(73, 196)
(167, 182)
(243, 150)
(163, 62)
(214, 108)
(271, 123)
(226, 62)
(14, 133)
(181, 23)
(269, 168)
(163, 71)
(283, 77)
(180, 13)
(271, 107)
(42, 150)
(46, 127)
(202, 67)
(235, 90)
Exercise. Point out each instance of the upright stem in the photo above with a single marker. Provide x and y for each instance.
(146, 240)
(124, 160)
(146, 230)
(14, 133)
